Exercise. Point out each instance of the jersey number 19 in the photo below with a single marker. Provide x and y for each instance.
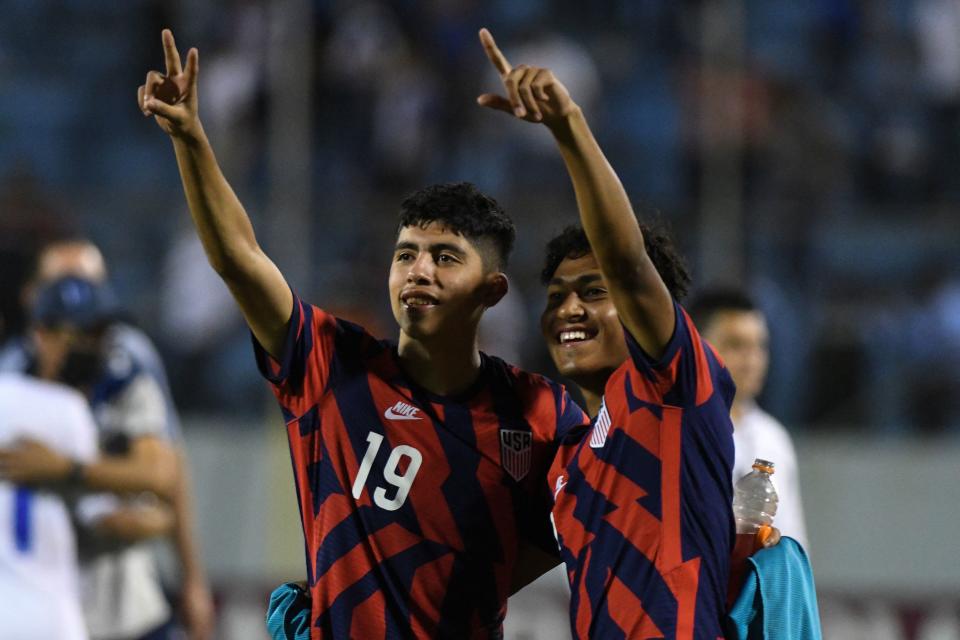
(401, 481)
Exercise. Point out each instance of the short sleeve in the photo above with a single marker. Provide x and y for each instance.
(301, 372)
(139, 410)
(131, 345)
(689, 372)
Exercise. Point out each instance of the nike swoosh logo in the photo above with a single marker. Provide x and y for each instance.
(560, 486)
(391, 415)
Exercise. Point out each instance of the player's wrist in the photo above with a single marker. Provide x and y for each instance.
(190, 135)
(565, 125)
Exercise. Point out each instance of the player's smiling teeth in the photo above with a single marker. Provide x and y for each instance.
(418, 299)
(577, 335)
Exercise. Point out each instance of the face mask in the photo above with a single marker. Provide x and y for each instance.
(81, 368)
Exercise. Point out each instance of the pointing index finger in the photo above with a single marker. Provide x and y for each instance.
(170, 54)
(493, 52)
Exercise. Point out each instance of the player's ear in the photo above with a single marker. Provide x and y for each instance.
(497, 287)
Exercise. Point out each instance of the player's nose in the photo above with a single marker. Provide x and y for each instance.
(422, 270)
(572, 308)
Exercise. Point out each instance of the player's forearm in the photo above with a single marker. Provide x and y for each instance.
(605, 210)
(254, 280)
(133, 524)
(131, 476)
(221, 221)
(638, 292)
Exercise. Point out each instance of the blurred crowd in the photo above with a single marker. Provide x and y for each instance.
(841, 118)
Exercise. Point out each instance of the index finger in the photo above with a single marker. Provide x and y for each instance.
(170, 54)
(493, 53)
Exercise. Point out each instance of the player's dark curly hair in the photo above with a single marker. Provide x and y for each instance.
(572, 243)
(463, 209)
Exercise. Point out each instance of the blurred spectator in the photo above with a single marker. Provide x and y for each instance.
(51, 447)
(139, 431)
(39, 585)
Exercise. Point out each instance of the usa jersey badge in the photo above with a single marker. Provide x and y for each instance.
(598, 437)
(516, 451)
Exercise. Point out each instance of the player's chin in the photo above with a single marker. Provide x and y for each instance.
(575, 360)
(421, 328)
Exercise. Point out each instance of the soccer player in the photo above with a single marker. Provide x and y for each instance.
(139, 430)
(642, 501)
(419, 464)
(733, 323)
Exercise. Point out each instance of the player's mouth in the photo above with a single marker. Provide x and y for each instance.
(575, 336)
(416, 300)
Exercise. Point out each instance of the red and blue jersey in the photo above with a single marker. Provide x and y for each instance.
(642, 501)
(413, 505)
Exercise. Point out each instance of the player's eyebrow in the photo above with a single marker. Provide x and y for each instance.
(579, 281)
(436, 247)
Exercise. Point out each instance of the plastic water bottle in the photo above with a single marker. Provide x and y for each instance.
(754, 505)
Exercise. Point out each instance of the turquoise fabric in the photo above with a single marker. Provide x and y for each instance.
(779, 599)
(288, 616)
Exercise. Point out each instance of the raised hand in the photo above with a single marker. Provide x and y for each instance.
(172, 97)
(533, 93)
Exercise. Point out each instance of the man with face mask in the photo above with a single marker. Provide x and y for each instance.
(70, 319)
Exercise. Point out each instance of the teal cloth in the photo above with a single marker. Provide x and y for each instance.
(779, 599)
(288, 616)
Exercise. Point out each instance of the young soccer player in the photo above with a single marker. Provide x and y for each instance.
(643, 500)
(419, 464)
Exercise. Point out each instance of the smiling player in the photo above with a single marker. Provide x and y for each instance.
(643, 501)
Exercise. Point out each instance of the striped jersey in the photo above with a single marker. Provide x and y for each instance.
(413, 505)
(642, 501)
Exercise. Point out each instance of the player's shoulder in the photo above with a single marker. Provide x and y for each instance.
(761, 420)
(523, 382)
(30, 389)
(133, 342)
(350, 334)
(766, 427)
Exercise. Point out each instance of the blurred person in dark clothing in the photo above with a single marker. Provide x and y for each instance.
(140, 432)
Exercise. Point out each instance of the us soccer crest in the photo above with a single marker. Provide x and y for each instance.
(516, 452)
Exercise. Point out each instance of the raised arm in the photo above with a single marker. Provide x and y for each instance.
(639, 294)
(222, 224)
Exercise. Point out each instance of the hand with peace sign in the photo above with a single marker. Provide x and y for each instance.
(533, 93)
(172, 97)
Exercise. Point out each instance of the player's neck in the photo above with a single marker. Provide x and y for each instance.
(739, 408)
(593, 400)
(442, 367)
(592, 386)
